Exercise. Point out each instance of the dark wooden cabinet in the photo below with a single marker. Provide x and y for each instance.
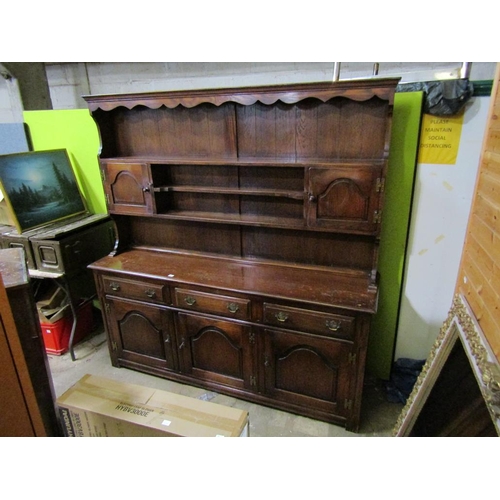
(248, 222)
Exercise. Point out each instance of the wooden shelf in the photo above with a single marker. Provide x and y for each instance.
(299, 224)
(295, 195)
(256, 162)
(256, 220)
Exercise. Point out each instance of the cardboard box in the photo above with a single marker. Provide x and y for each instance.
(100, 407)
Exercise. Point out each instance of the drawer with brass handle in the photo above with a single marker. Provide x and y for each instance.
(141, 290)
(234, 307)
(334, 325)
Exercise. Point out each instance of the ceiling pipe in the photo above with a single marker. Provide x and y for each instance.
(465, 70)
(336, 71)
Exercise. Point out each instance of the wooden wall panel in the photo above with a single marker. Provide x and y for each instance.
(479, 274)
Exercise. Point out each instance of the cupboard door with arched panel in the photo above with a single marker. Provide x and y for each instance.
(345, 198)
(128, 188)
(140, 334)
(216, 350)
(309, 371)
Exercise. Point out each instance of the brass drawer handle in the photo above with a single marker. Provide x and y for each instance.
(333, 325)
(114, 286)
(281, 316)
(150, 293)
(233, 308)
(190, 301)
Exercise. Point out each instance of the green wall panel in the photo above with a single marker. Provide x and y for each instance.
(394, 230)
(75, 131)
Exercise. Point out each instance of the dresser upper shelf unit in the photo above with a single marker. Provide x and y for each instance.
(329, 121)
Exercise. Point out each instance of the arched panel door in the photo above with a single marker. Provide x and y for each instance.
(344, 198)
(141, 333)
(128, 188)
(216, 350)
(308, 371)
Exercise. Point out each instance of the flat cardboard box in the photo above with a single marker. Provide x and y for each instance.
(100, 407)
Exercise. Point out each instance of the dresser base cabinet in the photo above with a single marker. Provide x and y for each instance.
(281, 352)
(248, 230)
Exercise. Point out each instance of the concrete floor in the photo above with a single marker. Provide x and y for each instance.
(378, 415)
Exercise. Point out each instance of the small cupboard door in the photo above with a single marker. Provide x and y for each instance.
(140, 333)
(308, 371)
(344, 198)
(215, 350)
(128, 187)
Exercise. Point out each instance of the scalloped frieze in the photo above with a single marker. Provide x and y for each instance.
(358, 90)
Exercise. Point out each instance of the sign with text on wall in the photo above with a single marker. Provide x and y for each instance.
(440, 138)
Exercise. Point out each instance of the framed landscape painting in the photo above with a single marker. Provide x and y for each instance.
(40, 187)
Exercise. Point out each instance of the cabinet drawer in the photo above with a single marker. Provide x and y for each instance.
(212, 303)
(333, 325)
(141, 290)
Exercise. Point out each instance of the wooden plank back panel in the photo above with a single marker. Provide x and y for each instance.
(362, 133)
(324, 249)
(479, 274)
(179, 235)
(204, 130)
(266, 131)
(309, 129)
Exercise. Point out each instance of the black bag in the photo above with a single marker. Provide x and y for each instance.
(442, 97)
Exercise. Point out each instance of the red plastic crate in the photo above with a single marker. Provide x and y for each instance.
(56, 335)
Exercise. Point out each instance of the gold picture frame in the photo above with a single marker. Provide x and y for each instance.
(460, 326)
